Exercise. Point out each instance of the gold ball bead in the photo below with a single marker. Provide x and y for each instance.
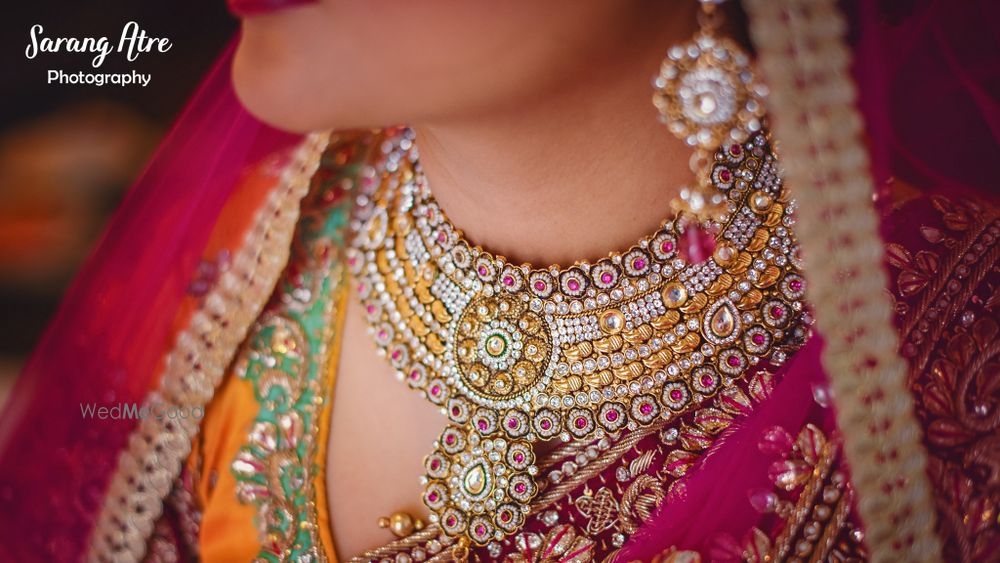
(383, 522)
(401, 524)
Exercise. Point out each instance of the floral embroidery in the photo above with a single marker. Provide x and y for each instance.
(285, 359)
(563, 544)
(948, 293)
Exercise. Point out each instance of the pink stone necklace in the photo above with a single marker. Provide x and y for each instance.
(515, 355)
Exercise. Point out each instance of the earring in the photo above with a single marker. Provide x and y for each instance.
(707, 95)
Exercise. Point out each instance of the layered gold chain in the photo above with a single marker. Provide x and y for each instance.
(515, 354)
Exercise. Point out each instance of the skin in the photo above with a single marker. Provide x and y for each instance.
(536, 130)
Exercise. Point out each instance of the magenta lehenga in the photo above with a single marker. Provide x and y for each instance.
(220, 288)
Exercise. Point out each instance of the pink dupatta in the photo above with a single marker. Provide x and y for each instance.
(115, 324)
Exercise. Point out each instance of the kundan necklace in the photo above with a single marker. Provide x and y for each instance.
(516, 355)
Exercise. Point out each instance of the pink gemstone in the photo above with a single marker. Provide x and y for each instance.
(414, 375)
(573, 285)
(581, 422)
(645, 408)
(435, 390)
(480, 530)
(449, 439)
(483, 271)
(736, 150)
(707, 381)
(676, 395)
(352, 261)
(796, 285)
(512, 423)
(432, 497)
(758, 339)
(520, 487)
(725, 175)
(450, 521)
(455, 411)
(435, 465)
(519, 457)
(442, 237)
(505, 516)
(482, 425)
(638, 263)
(611, 416)
(667, 246)
(695, 243)
(733, 361)
(370, 309)
(382, 335)
(539, 285)
(777, 312)
(396, 354)
(545, 424)
(361, 288)
(606, 277)
(508, 280)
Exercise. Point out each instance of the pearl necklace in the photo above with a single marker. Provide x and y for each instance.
(515, 354)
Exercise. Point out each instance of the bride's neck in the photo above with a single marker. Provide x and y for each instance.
(577, 172)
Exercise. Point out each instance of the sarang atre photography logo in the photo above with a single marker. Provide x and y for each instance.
(133, 42)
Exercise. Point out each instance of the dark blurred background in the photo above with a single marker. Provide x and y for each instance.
(69, 152)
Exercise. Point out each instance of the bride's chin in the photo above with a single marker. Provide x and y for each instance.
(269, 87)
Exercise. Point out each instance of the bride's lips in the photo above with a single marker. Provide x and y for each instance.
(243, 8)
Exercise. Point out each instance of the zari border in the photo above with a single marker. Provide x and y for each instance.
(195, 365)
(805, 62)
(549, 496)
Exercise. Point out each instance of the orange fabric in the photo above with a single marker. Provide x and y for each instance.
(323, 433)
(227, 532)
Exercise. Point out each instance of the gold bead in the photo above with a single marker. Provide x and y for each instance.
(401, 524)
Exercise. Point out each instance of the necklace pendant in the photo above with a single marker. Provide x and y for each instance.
(479, 483)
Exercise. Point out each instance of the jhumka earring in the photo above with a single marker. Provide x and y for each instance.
(708, 95)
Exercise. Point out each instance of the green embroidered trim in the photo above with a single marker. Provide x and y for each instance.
(285, 358)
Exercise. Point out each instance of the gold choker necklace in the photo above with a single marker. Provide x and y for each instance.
(516, 355)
